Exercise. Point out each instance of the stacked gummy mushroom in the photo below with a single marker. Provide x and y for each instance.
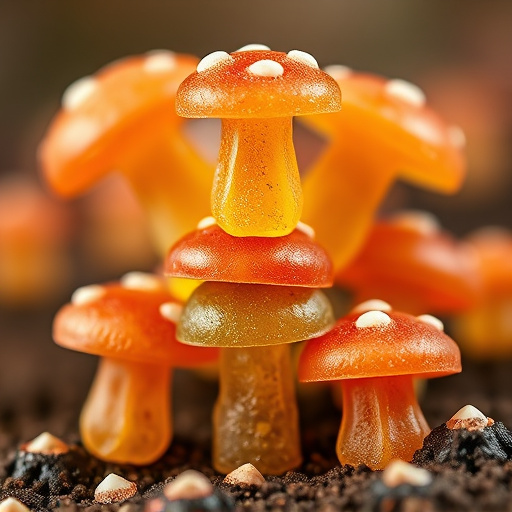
(260, 265)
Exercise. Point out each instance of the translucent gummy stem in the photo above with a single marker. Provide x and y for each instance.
(125, 418)
(381, 421)
(257, 190)
(255, 417)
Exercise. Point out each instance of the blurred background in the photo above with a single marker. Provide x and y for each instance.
(458, 52)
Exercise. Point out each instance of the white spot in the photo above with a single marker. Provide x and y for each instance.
(266, 67)
(189, 485)
(457, 136)
(372, 305)
(338, 72)
(469, 418)
(142, 281)
(113, 489)
(79, 92)
(405, 91)
(417, 220)
(303, 58)
(398, 472)
(306, 229)
(245, 476)
(79, 134)
(206, 222)
(213, 59)
(171, 311)
(159, 61)
(13, 505)
(431, 320)
(251, 47)
(424, 129)
(46, 444)
(87, 294)
(373, 319)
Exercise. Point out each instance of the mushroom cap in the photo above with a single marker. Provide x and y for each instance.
(419, 144)
(125, 323)
(408, 258)
(383, 345)
(108, 115)
(292, 260)
(248, 315)
(229, 89)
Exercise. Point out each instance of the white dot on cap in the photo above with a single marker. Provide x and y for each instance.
(266, 67)
(417, 220)
(206, 222)
(406, 92)
(159, 61)
(373, 319)
(213, 59)
(303, 57)
(171, 311)
(87, 294)
(141, 281)
(457, 136)
(306, 229)
(432, 320)
(337, 71)
(372, 304)
(251, 47)
(79, 92)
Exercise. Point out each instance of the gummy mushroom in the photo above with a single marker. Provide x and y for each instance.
(376, 355)
(131, 325)
(256, 91)
(408, 261)
(122, 119)
(384, 131)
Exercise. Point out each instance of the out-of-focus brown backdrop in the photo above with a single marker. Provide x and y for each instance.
(459, 52)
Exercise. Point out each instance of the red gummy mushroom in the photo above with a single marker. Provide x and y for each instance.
(376, 354)
(384, 131)
(131, 325)
(122, 120)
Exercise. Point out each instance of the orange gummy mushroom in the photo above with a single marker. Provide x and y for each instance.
(409, 262)
(122, 119)
(384, 131)
(376, 354)
(485, 331)
(210, 254)
(131, 325)
(256, 91)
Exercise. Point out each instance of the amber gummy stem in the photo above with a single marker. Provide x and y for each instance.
(257, 190)
(125, 418)
(381, 421)
(255, 418)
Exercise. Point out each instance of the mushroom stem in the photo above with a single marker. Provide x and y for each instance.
(125, 418)
(381, 421)
(159, 174)
(257, 189)
(343, 191)
(255, 418)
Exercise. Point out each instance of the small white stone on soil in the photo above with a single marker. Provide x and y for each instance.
(213, 59)
(13, 505)
(306, 228)
(159, 61)
(373, 319)
(245, 476)
(87, 294)
(405, 91)
(266, 67)
(142, 281)
(114, 489)
(372, 304)
(337, 71)
(206, 222)
(79, 92)
(303, 57)
(432, 320)
(251, 47)
(47, 444)
(189, 485)
(398, 472)
(171, 311)
(469, 418)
